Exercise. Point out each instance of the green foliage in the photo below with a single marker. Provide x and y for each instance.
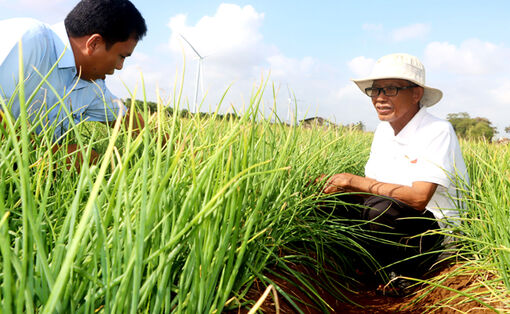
(183, 113)
(471, 128)
(485, 229)
(183, 227)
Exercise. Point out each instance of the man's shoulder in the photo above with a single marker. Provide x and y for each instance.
(22, 25)
(431, 122)
(31, 31)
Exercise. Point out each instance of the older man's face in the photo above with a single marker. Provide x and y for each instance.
(400, 109)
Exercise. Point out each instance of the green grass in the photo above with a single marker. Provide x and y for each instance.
(180, 227)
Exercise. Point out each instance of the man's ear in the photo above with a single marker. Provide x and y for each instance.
(418, 93)
(93, 43)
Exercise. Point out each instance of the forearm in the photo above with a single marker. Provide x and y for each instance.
(139, 124)
(418, 195)
(415, 195)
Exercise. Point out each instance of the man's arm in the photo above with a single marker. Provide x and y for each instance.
(78, 159)
(138, 122)
(417, 196)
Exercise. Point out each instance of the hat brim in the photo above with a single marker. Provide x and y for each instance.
(431, 96)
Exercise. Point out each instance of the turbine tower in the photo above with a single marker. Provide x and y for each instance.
(292, 102)
(199, 73)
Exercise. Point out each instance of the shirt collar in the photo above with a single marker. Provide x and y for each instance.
(406, 134)
(61, 43)
(67, 61)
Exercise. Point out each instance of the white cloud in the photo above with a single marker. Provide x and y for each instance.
(232, 35)
(501, 93)
(284, 67)
(230, 40)
(349, 91)
(471, 57)
(473, 76)
(410, 32)
(361, 66)
(355, 106)
(32, 4)
(49, 11)
(237, 53)
(156, 75)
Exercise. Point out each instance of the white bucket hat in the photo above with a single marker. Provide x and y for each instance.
(401, 66)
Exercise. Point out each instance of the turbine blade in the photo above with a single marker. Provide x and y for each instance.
(191, 46)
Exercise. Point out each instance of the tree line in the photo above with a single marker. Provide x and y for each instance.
(183, 113)
(473, 128)
(465, 126)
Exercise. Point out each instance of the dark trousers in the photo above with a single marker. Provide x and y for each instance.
(402, 238)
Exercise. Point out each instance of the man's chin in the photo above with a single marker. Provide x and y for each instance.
(98, 77)
(384, 117)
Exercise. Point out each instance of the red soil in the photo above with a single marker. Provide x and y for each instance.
(438, 300)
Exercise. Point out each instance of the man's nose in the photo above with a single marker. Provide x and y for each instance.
(381, 96)
(120, 65)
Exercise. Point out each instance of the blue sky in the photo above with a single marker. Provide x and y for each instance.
(314, 48)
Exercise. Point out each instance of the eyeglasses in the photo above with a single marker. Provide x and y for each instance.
(388, 91)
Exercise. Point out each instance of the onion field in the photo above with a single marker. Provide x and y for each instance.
(184, 216)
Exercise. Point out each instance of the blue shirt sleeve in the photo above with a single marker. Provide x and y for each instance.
(35, 44)
(104, 107)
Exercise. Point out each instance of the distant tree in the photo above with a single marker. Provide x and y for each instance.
(360, 126)
(140, 105)
(472, 128)
(185, 113)
(507, 129)
(231, 116)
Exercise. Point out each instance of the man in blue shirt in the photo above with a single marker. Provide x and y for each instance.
(97, 37)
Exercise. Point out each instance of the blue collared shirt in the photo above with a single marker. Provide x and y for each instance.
(63, 94)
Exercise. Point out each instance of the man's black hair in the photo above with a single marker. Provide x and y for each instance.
(114, 20)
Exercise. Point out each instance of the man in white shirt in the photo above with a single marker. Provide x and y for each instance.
(97, 37)
(414, 167)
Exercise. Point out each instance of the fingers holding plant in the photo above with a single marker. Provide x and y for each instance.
(337, 183)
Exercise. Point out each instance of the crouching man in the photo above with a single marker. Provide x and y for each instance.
(94, 41)
(414, 160)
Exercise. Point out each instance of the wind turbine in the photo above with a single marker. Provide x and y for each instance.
(292, 101)
(200, 79)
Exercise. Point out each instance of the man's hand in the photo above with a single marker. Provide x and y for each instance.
(139, 124)
(338, 183)
(335, 184)
(73, 148)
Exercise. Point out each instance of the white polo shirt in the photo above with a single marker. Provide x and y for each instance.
(426, 149)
